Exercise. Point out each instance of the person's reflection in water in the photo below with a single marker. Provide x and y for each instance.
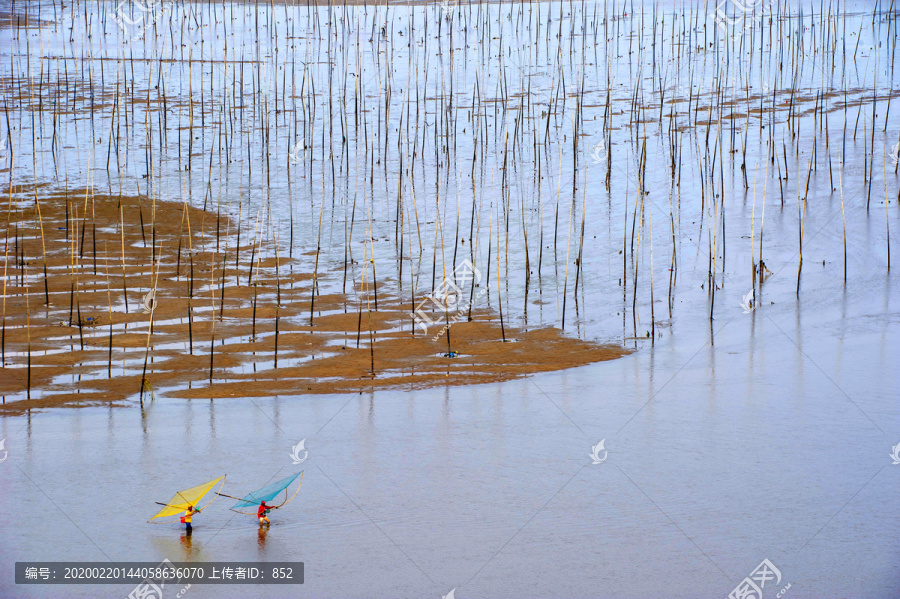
(187, 545)
(261, 540)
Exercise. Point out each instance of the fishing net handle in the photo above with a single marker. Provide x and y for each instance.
(221, 485)
(268, 507)
(286, 501)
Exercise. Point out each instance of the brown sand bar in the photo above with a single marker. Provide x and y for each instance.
(90, 345)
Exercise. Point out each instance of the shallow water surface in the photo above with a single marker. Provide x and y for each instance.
(730, 435)
(766, 438)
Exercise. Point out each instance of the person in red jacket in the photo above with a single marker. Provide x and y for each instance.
(262, 513)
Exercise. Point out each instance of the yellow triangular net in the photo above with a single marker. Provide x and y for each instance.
(184, 499)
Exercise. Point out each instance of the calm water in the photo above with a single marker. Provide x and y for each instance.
(751, 436)
(769, 438)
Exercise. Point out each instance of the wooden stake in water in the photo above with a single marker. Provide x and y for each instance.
(887, 225)
(109, 303)
(145, 384)
(28, 334)
(843, 217)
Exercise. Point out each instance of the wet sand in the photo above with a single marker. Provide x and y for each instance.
(218, 329)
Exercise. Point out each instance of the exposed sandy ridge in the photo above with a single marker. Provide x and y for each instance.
(351, 346)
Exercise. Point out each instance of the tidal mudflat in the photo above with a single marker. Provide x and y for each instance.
(584, 299)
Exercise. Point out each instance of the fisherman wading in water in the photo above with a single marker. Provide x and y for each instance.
(187, 518)
(263, 511)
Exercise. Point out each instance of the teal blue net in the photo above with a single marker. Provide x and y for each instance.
(267, 493)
